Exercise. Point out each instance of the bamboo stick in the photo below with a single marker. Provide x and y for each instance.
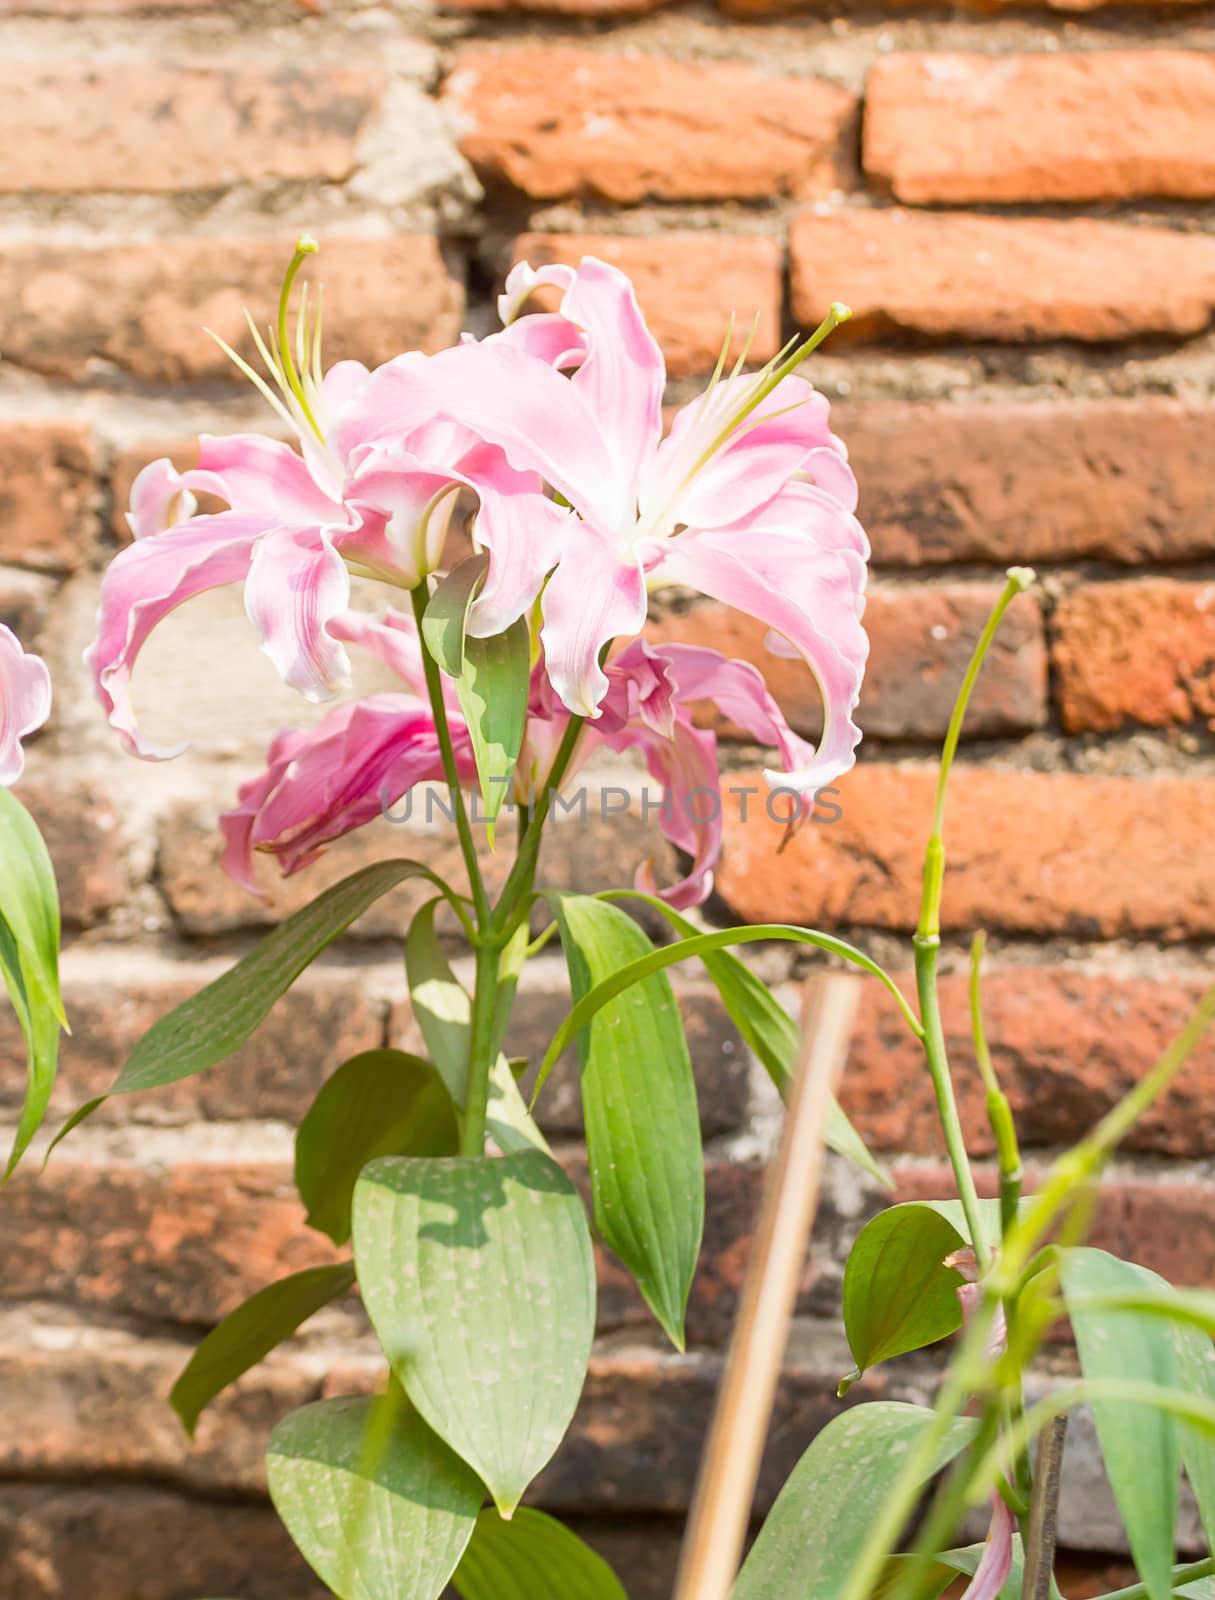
(725, 1487)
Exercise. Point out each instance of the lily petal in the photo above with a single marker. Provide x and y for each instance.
(25, 702)
(809, 596)
(996, 1561)
(162, 497)
(254, 473)
(591, 598)
(297, 584)
(144, 583)
(686, 767)
(738, 690)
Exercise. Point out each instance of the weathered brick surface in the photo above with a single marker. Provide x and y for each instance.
(1042, 852)
(689, 285)
(556, 122)
(25, 604)
(960, 276)
(46, 492)
(1099, 125)
(83, 833)
(1015, 481)
(145, 308)
(137, 125)
(118, 1542)
(326, 1017)
(1067, 1044)
(921, 639)
(1135, 652)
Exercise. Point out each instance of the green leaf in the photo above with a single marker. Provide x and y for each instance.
(378, 1505)
(532, 1557)
(639, 1108)
(478, 1277)
(445, 625)
(1195, 1357)
(826, 1510)
(1139, 1442)
(508, 1122)
(380, 1103)
(703, 945)
(492, 691)
(441, 1004)
(209, 1026)
(898, 1293)
(29, 959)
(766, 1027)
(248, 1334)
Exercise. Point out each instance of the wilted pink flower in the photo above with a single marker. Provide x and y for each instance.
(996, 1562)
(365, 755)
(25, 702)
(749, 499)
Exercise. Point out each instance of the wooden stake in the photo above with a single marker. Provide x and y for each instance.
(725, 1488)
(1044, 1511)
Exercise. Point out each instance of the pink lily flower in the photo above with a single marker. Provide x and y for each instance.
(25, 702)
(295, 527)
(365, 755)
(749, 499)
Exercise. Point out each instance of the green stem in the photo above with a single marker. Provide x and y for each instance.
(480, 1050)
(1181, 1575)
(999, 1112)
(948, 1507)
(434, 687)
(926, 951)
(522, 874)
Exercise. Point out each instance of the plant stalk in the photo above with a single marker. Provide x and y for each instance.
(480, 1049)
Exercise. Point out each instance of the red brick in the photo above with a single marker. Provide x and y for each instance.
(1135, 652)
(1167, 1224)
(1031, 852)
(145, 308)
(98, 1405)
(558, 122)
(1067, 1044)
(1014, 481)
(1086, 125)
(958, 276)
(46, 494)
(137, 125)
(80, 825)
(25, 602)
(921, 639)
(113, 998)
(559, 8)
(688, 285)
(117, 1541)
(1144, 8)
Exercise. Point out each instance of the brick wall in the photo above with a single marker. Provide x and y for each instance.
(1017, 203)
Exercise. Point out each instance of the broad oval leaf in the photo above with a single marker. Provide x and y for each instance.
(379, 1103)
(767, 1028)
(478, 1276)
(826, 1510)
(640, 1110)
(532, 1557)
(379, 1506)
(1139, 1442)
(898, 1293)
(29, 959)
(210, 1025)
(248, 1334)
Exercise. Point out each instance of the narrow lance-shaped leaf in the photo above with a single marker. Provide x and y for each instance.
(209, 1026)
(492, 691)
(532, 1557)
(1139, 1442)
(248, 1334)
(441, 1005)
(379, 1506)
(380, 1103)
(445, 623)
(29, 959)
(478, 1277)
(639, 1109)
(766, 1027)
(825, 1513)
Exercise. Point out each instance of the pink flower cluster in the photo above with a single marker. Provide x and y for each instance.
(554, 427)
